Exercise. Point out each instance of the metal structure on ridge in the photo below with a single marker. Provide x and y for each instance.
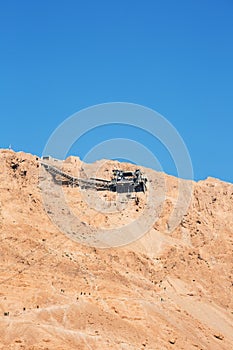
(121, 182)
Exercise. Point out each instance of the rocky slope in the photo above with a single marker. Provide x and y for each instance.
(167, 288)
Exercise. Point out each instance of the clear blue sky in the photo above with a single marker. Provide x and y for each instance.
(175, 56)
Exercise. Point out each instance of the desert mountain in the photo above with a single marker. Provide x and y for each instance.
(158, 276)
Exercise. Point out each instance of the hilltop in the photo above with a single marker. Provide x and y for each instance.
(165, 285)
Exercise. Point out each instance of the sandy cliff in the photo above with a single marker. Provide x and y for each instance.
(168, 289)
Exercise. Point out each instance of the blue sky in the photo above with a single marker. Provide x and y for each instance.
(58, 57)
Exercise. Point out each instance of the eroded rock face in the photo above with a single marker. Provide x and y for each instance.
(170, 289)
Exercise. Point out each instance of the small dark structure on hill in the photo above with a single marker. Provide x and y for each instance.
(121, 182)
(127, 181)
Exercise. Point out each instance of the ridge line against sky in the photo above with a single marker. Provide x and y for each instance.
(175, 57)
